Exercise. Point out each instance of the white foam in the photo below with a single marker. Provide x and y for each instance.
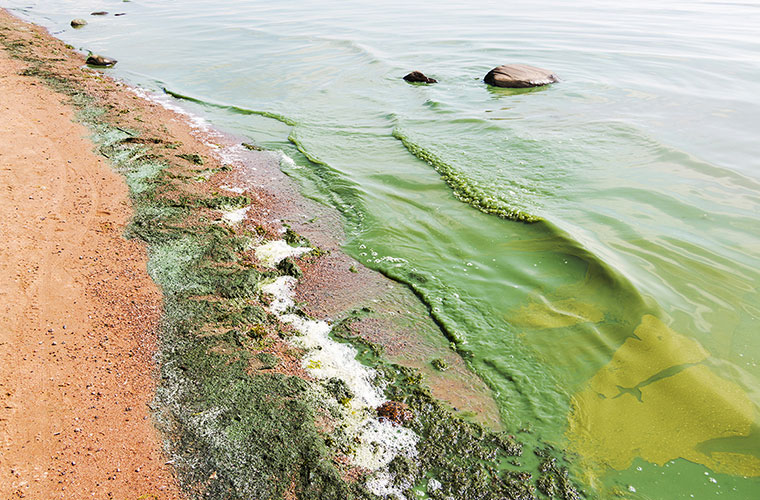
(195, 121)
(235, 216)
(282, 292)
(270, 254)
(286, 160)
(329, 359)
(379, 442)
(233, 189)
(381, 484)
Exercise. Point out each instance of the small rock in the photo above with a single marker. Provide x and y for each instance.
(396, 412)
(418, 77)
(120, 14)
(96, 60)
(288, 267)
(519, 76)
(78, 23)
(99, 13)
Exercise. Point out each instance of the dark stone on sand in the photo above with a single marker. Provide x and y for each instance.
(99, 13)
(96, 60)
(519, 76)
(78, 23)
(289, 268)
(396, 412)
(418, 77)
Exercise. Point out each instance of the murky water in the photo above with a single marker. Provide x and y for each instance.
(623, 324)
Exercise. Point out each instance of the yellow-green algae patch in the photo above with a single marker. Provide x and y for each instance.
(655, 401)
(557, 314)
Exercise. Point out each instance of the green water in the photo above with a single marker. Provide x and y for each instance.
(623, 323)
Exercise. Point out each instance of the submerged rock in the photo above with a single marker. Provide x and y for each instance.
(418, 77)
(96, 60)
(396, 412)
(99, 13)
(519, 76)
(78, 23)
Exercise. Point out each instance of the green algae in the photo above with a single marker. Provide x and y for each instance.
(233, 109)
(464, 189)
(440, 365)
(466, 458)
(656, 399)
(193, 158)
(288, 267)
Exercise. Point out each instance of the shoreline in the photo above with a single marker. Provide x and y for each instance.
(224, 356)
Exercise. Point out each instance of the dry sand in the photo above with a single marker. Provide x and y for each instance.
(78, 313)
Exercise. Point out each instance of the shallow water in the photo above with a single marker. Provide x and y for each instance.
(624, 324)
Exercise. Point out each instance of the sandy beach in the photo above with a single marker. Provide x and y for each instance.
(79, 312)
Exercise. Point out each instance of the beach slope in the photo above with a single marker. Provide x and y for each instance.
(78, 314)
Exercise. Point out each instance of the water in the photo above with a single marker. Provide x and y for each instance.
(624, 324)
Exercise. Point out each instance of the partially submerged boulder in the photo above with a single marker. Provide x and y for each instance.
(96, 60)
(78, 23)
(519, 76)
(418, 77)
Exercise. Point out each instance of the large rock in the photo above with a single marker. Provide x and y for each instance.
(519, 76)
(96, 60)
(418, 77)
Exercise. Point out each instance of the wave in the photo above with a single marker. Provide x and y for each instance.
(627, 308)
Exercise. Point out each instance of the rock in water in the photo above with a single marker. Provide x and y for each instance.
(519, 76)
(96, 60)
(418, 77)
(78, 23)
(99, 13)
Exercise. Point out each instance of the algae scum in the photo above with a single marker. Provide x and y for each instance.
(590, 249)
